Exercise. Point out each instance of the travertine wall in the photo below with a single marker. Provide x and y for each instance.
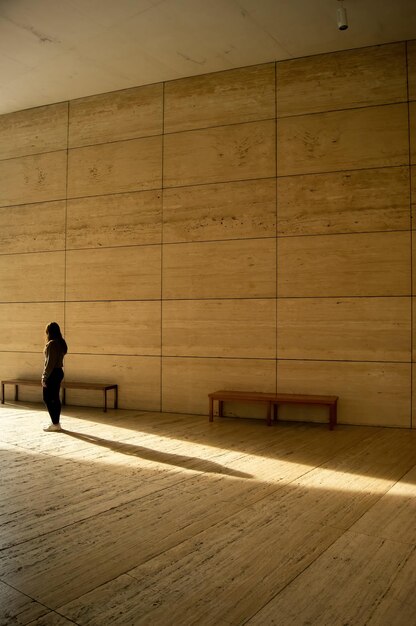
(247, 229)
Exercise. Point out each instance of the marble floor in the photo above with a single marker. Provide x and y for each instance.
(131, 518)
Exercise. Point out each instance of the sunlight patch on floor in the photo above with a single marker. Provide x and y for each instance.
(93, 439)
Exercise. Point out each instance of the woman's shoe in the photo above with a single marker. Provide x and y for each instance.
(53, 428)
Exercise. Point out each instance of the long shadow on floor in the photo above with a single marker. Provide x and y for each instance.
(186, 462)
(348, 448)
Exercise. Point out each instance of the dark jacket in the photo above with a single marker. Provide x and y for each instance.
(54, 357)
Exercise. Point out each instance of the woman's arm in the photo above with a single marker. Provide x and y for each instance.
(51, 360)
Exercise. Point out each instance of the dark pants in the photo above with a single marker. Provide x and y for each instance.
(51, 394)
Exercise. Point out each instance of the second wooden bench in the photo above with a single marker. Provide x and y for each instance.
(272, 400)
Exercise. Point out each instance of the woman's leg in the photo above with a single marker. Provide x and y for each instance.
(51, 395)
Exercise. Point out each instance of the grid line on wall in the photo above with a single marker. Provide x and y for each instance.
(276, 224)
(412, 369)
(345, 109)
(162, 232)
(66, 215)
(206, 184)
(202, 128)
(345, 169)
(220, 357)
(33, 154)
(210, 241)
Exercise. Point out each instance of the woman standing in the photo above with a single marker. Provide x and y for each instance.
(55, 350)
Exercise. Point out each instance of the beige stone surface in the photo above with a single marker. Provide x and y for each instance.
(398, 603)
(117, 167)
(113, 464)
(37, 277)
(369, 393)
(242, 596)
(369, 137)
(224, 269)
(390, 518)
(220, 328)
(413, 263)
(344, 202)
(364, 569)
(23, 365)
(412, 118)
(116, 116)
(115, 220)
(235, 210)
(206, 497)
(197, 377)
(200, 562)
(413, 400)
(411, 68)
(414, 327)
(347, 329)
(168, 517)
(342, 80)
(138, 378)
(130, 273)
(114, 328)
(343, 172)
(234, 96)
(226, 153)
(52, 619)
(23, 324)
(340, 491)
(360, 264)
(35, 178)
(32, 227)
(17, 606)
(43, 129)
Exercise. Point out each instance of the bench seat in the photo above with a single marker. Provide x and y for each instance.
(104, 387)
(272, 400)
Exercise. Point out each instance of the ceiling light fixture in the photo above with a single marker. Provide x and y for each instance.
(342, 19)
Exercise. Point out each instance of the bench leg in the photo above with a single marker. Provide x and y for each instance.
(211, 409)
(332, 416)
(105, 400)
(269, 414)
(116, 397)
(275, 412)
(16, 393)
(2, 393)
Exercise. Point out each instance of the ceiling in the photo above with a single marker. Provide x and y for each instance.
(55, 50)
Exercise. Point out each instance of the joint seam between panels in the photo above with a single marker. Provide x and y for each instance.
(411, 236)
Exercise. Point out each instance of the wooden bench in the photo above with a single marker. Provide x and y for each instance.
(272, 400)
(104, 387)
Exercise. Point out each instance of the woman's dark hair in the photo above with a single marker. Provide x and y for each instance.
(54, 332)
